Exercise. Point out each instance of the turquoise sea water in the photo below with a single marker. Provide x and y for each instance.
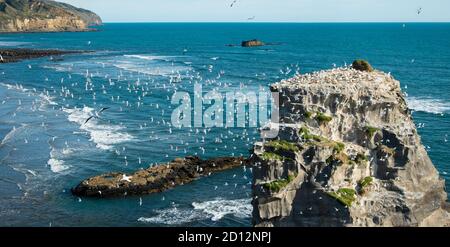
(46, 149)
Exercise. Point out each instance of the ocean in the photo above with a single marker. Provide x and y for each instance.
(134, 69)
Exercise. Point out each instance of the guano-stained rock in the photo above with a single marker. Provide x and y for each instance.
(348, 154)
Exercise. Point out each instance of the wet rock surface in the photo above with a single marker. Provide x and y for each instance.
(154, 179)
(16, 55)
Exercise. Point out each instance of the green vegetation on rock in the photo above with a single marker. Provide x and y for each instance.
(339, 147)
(370, 131)
(360, 158)
(306, 135)
(339, 158)
(362, 65)
(267, 156)
(283, 145)
(344, 195)
(367, 181)
(364, 184)
(277, 185)
(308, 115)
(320, 140)
(322, 118)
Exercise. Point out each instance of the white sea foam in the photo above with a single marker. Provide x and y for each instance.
(429, 105)
(172, 216)
(218, 208)
(57, 166)
(212, 210)
(55, 162)
(165, 70)
(12, 43)
(104, 136)
(150, 57)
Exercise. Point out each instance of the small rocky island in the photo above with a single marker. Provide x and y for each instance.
(348, 154)
(44, 16)
(252, 43)
(154, 179)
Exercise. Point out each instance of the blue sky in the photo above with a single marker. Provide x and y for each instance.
(268, 10)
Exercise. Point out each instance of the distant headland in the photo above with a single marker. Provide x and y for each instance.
(44, 16)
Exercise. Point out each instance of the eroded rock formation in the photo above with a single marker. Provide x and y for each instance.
(154, 179)
(348, 154)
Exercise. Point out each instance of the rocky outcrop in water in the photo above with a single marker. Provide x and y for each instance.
(15, 55)
(252, 43)
(348, 154)
(154, 179)
(44, 16)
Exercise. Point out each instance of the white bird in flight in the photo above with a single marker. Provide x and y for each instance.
(419, 11)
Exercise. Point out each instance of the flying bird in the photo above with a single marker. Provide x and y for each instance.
(232, 4)
(251, 18)
(103, 109)
(419, 11)
(89, 119)
(96, 114)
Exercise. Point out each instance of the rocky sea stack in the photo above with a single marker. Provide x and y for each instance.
(44, 16)
(348, 154)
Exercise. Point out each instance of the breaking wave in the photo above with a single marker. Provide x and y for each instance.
(434, 106)
(104, 136)
(213, 210)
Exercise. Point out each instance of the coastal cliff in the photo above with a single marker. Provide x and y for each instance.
(44, 16)
(348, 154)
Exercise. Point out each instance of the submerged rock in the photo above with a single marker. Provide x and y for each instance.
(44, 16)
(154, 179)
(15, 55)
(348, 154)
(252, 43)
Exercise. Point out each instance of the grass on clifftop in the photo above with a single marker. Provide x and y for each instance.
(282, 145)
(344, 195)
(277, 185)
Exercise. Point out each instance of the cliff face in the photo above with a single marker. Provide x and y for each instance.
(44, 16)
(348, 154)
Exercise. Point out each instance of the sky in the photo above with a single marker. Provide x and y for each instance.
(268, 10)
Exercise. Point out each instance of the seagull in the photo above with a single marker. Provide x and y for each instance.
(1, 58)
(232, 4)
(126, 178)
(419, 11)
(89, 119)
(103, 109)
(251, 18)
